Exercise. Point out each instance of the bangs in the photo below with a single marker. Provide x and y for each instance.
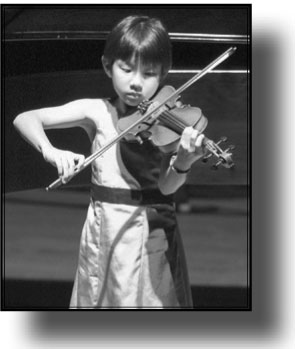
(140, 38)
(144, 47)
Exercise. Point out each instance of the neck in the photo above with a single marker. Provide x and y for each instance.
(122, 108)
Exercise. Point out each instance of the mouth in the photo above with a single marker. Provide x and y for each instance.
(133, 96)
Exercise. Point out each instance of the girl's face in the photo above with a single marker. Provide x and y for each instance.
(134, 82)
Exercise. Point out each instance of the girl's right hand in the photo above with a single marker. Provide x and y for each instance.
(65, 161)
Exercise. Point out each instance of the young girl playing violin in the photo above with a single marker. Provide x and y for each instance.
(131, 253)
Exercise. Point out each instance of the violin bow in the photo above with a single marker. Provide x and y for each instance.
(154, 113)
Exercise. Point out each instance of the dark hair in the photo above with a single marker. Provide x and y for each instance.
(140, 37)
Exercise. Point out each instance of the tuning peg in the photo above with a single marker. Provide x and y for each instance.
(218, 163)
(222, 139)
(207, 157)
(231, 147)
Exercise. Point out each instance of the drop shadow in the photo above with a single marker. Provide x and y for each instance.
(263, 319)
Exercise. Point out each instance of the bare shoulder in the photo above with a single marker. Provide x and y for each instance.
(92, 108)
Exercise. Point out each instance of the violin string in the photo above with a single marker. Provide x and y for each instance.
(171, 120)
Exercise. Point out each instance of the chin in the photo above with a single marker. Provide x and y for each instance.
(132, 103)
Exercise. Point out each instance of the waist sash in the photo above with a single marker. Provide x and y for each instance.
(129, 196)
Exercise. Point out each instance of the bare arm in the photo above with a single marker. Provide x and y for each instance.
(170, 180)
(174, 169)
(31, 126)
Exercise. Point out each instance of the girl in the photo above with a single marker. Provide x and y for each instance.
(131, 252)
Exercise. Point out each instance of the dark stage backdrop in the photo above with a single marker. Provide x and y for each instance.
(214, 19)
(43, 72)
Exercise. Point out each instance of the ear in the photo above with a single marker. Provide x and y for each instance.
(106, 66)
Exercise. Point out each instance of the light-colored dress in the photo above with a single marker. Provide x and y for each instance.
(131, 254)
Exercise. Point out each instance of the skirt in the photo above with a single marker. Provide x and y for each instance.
(131, 253)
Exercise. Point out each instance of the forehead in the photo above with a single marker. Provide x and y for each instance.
(139, 62)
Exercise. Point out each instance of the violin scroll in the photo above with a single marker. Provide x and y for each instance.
(224, 156)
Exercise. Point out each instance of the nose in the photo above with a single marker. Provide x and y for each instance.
(136, 82)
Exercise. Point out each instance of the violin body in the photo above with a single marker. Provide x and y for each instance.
(165, 126)
(163, 129)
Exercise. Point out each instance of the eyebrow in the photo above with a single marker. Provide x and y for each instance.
(132, 64)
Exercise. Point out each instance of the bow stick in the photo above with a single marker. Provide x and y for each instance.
(147, 115)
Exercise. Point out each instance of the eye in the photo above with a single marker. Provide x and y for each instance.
(150, 73)
(125, 68)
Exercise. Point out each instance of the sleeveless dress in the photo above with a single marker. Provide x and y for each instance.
(131, 253)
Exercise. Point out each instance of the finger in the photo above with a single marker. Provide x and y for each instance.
(199, 140)
(58, 165)
(193, 139)
(65, 168)
(80, 159)
(71, 168)
(186, 137)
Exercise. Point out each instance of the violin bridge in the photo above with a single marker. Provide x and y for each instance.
(154, 116)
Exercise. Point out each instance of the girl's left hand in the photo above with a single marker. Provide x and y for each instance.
(190, 148)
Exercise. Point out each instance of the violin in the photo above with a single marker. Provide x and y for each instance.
(161, 121)
(164, 128)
